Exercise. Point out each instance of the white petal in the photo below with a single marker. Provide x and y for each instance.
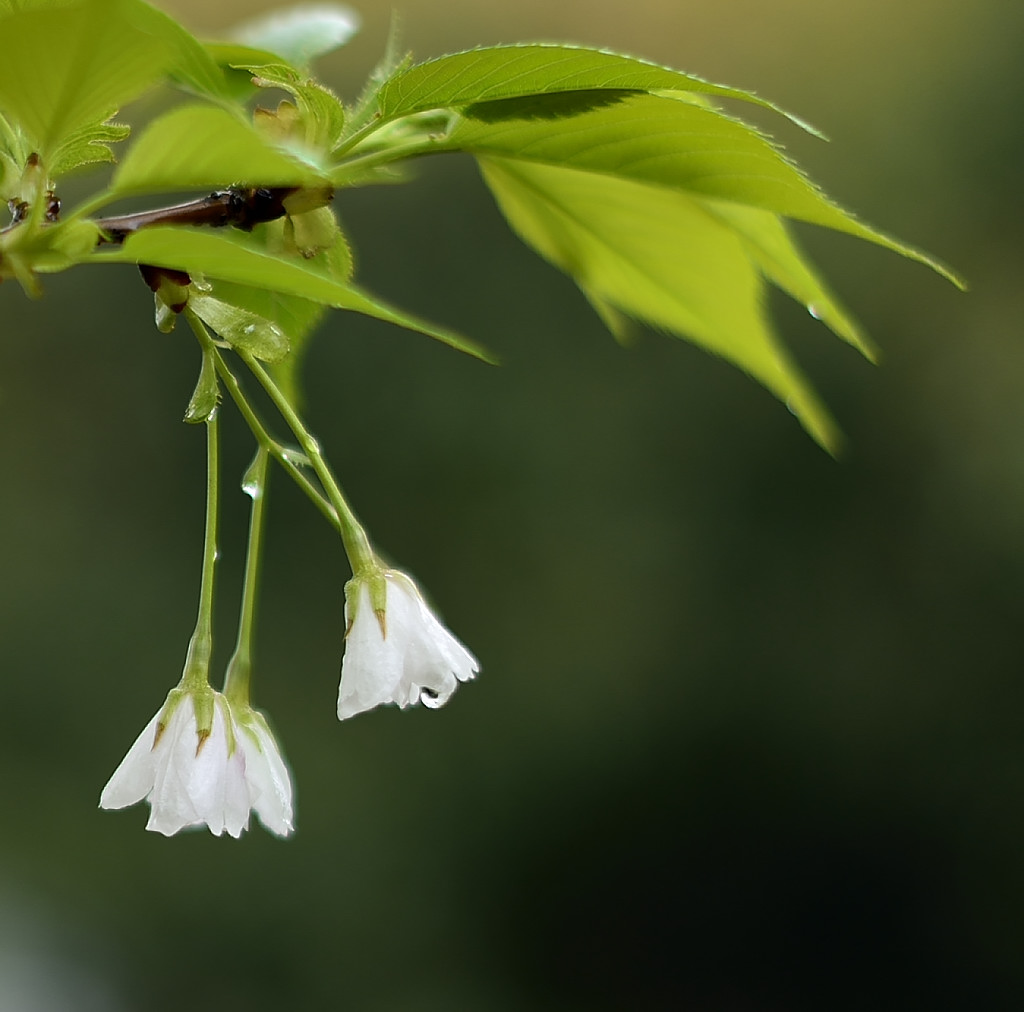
(171, 804)
(270, 788)
(133, 778)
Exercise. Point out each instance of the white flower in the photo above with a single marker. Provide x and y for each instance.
(190, 780)
(396, 651)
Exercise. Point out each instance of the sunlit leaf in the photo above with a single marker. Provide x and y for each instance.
(688, 147)
(236, 257)
(770, 246)
(507, 72)
(64, 69)
(661, 257)
(200, 146)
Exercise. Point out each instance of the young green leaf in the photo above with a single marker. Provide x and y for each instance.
(322, 116)
(518, 71)
(65, 69)
(87, 146)
(294, 316)
(236, 257)
(201, 146)
(686, 146)
(659, 256)
(240, 328)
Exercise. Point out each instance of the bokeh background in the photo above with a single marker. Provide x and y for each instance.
(750, 731)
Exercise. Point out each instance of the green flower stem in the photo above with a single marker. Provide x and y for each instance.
(200, 648)
(361, 555)
(258, 429)
(239, 672)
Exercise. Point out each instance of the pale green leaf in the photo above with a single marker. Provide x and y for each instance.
(191, 66)
(65, 69)
(87, 146)
(518, 71)
(236, 257)
(686, 146)
(660, 257)
(300, 34)
(240, 328)
(769, 244)
(202, 146)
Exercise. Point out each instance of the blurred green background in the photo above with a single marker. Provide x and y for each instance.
(750, 730)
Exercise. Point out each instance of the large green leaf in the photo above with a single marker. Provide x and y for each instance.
(661, 257)
(686, 146)
(200, 146)
(69, 67)
(507, 72)
(233, 256)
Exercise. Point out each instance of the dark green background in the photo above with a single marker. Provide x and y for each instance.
(750, 731)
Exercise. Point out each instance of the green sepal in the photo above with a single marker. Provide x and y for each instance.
(206, 396)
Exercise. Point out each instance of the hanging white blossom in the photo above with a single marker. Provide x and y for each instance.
(216, 781)
(396, 650)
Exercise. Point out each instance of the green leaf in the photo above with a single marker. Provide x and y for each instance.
(87, 146)
(240, 328)
(507, 72)
(323, 115)
(238, 258)
(66, 69)
(206, 396)
(202, 146)
(294, 316)
(300, 34)
(770, 246)
(660, 257)
(191, 66)
(689, 147)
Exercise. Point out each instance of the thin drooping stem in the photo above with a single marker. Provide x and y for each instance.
(361, 555)
(263, 438)
(239, 671)
(200, 648)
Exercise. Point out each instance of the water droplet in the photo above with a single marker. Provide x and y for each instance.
(814, 310)
(252, 488)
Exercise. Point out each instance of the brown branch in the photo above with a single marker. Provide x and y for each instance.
(241, 207)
